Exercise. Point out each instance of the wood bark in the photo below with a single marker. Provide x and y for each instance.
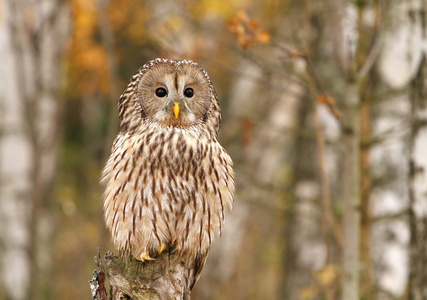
(169, 276)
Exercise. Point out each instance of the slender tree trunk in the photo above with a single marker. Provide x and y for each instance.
(304, 235)
(351, 217)
(418, 185)
(366, 183)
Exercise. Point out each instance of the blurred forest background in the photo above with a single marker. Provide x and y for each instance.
(324, 114)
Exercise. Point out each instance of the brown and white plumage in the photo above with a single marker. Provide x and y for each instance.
(168, 180)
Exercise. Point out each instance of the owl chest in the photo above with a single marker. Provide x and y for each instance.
(172, 157)
(174, 168)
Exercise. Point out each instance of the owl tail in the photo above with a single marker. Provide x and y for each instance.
(199, 263)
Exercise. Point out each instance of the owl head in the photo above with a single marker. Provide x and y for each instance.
(170, 93)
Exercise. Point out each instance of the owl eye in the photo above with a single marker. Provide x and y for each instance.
(161, 92)
(189, 92)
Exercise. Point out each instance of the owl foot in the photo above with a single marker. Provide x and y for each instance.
(144, 256)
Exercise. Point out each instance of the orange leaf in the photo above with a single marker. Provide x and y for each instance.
(263, 36)
(254, 24)
(325, 100)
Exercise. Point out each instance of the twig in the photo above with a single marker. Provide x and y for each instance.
(324, 180)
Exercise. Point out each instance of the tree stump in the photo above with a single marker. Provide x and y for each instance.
(167, 277)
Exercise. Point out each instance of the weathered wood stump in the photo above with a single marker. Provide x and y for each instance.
(166, 277)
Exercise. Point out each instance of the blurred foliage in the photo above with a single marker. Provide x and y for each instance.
(247, 31)
(87, 58)
(276, 37)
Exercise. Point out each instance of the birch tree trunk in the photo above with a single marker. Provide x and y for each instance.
(418, 173)
(15, 161)
(350, 265)
(34, 41)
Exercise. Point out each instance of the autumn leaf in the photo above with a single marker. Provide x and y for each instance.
(248, 127)
(247, 30)
(263, 36)
(330, 102)
(323, 99)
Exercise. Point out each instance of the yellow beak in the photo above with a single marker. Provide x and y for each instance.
(176, 110)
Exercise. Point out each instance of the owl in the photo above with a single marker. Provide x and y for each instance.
(168, 181)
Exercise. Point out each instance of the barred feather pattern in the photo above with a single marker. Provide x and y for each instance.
(167, 183)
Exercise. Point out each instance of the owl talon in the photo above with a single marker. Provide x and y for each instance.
(144, 256)
(161, 247)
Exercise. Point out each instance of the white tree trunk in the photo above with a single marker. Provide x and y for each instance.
(31, 49)
(404, 44)
(15, 182)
